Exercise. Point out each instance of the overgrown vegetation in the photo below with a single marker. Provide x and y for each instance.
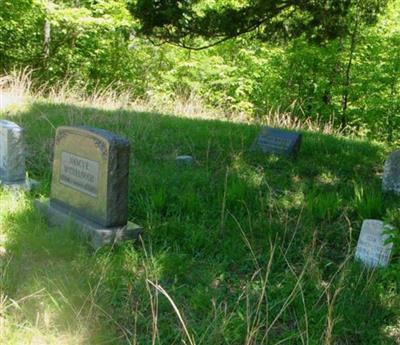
(239, 248)
(250, 249)
(352, 80)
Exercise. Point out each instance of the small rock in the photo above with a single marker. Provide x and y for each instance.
(185, 159)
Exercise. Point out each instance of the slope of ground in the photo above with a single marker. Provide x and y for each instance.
(251, 249)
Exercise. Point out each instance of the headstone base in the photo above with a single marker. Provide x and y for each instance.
(24, 185)
(98, 235)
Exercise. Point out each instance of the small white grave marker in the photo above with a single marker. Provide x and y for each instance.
(372, 248)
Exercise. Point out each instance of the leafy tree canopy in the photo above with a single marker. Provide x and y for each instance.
(182, 21)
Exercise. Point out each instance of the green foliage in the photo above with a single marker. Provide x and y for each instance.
(182, 21)
(237, 241)
(211, 229)
(20, 39)
(351, 81)
(323, 205)
(368, 202)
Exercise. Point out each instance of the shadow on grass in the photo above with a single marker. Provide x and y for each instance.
(196, 219)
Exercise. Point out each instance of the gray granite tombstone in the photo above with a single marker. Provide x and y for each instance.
(90, 184)
(391, 173)
(372, 247)
(277, 141)
(12, 157)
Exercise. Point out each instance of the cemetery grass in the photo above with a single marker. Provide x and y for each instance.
(239, 248)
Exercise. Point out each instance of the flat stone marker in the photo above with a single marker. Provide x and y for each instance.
(277, 141)
(90, 184)
(12, 157)
(391, 173)
(371, 248)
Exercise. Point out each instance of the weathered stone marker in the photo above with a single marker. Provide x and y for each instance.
(12, 156)
(372, 248)
(90, 184)
(277, 141)
(391, 173)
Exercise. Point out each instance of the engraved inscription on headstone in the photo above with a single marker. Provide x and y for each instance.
(372, 248)
(79, 173)
(391, 173)
(277, 141)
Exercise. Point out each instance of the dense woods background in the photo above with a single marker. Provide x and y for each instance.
(351, 80)
(238, 248)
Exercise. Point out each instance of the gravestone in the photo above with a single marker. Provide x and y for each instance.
(277, 141)
(391, 173)
(12, 157)
(372, 248)
(90, 184)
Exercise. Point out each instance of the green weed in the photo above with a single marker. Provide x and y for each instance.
(238, 249)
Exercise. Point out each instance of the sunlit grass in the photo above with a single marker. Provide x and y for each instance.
(240, 248)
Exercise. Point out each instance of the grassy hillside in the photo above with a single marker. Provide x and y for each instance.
(238, 249)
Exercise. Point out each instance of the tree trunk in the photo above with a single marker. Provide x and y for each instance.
(47, 39)
(390, 119)
(347, 77)
(47, 34)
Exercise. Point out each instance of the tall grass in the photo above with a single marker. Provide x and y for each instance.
(47, 303)
(19, 85)
(238, 249)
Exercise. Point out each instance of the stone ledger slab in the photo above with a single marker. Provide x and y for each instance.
(277, 141)
(391, 173)
(372, 248)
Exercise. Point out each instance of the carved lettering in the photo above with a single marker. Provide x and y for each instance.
(79, 173)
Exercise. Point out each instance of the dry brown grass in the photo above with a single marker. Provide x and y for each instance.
(16, 90)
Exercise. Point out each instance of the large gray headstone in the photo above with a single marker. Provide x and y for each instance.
(12, 152)
(90, 174)
(391, 173)
(277, 141)
(372, 248)
(90, 182)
